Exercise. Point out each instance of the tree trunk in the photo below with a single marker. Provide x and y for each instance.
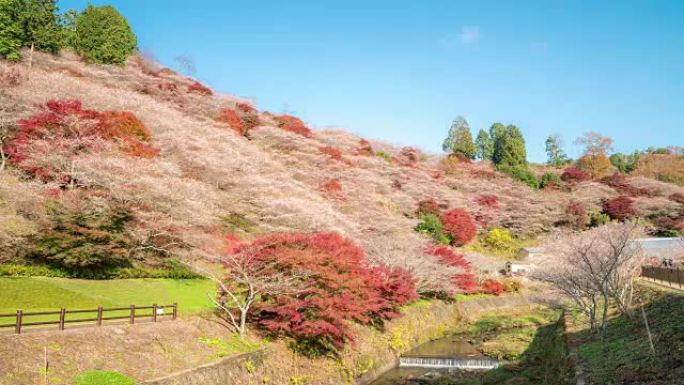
(3, 159)
(243, 321)
(30, 63)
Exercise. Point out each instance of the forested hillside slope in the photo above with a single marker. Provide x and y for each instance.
(163, 167)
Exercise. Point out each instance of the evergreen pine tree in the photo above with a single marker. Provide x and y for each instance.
(103, 35)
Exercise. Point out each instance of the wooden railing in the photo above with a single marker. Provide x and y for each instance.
(669, 275)
(89, 316)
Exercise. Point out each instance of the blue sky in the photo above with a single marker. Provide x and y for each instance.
(402, 70)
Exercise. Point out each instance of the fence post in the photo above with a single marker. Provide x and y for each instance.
(175, 310)
(99, 316)
(17, 326)
(62, 315)
(132, 320)
(154, 312)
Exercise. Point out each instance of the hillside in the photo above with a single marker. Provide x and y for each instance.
(201, 178)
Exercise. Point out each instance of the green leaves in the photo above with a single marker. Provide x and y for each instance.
(102, 35)
(460, 140)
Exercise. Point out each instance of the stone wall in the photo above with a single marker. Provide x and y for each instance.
(375, 352)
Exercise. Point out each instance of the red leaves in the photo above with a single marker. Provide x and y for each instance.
(459, 225)
(492, 286)
(428, 206)
(233, 120)
(332, 186)
(340, 286)
(332, 152)
(578, 214)
(199, 88)
(465, 281)
(620, 208)
(65, 130)
(489, 201)
(293, 124)
(677, 197)
(364, 148)
(620, 184)
(572, 174)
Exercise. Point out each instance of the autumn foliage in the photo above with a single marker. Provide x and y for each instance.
(332, 152)
(620, 208)
(492, 286)
(489, 201)
(577, 213)
(340, 287)
(621, 185)
(428, 206)
(199, 88)
(677, 197)
(364, 148)
(293, 124)
(459, 225)
(233, 120)
(65, 129)
(596, 166)
(464, 281)
(572, 174)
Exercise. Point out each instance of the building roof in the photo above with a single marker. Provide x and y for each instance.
(534, 249)
(662, 247)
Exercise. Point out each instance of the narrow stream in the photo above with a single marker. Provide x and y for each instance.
(455, 355)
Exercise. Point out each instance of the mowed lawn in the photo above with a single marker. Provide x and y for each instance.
(44, 294)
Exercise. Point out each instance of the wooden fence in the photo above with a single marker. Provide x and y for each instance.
(97, 316)
(669, 275)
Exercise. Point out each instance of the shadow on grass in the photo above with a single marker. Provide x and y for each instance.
(625, 357)
(544, 362)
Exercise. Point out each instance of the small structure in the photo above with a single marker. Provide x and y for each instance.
(530, 252)
(517, 268)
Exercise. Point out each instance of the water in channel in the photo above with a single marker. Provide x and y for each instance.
(454, 355)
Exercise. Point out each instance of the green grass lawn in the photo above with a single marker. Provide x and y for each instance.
(45, 294)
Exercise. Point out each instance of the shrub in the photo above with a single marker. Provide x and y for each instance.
(101, 377)
(620, 184)
(428, 206)
(459, 226)
(46, 142)
(233, 120)
(293, 124)
(664, 226)
(246, 108)
(332, 152)
(620, 208)
(574, 175)
(492, 286)
(512, 285)
(431, 224)
(577, 214)
(595, 166)
(464, 281)
(199, 88)
(385, 156)
(102, 35)
(332, 187)
(92, 238)
(597, 218)
(340, 287)
(364, 148)
(549, 180)
(500, 240)
(663, 167)
(677, 197)
(489, 201)
(520, 173)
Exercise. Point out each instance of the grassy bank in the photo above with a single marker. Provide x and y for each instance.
(43, 294)
(532, 338)
(625, 355)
